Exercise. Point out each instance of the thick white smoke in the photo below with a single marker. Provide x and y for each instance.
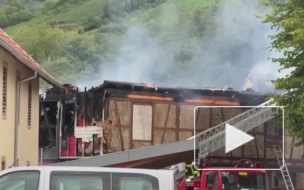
(235, 40)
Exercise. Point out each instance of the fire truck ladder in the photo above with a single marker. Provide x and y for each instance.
(214, 138)
(283, 167)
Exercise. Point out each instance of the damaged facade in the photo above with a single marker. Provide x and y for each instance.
(118, 116)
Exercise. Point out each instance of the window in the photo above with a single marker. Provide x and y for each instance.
(214, 182)
(133, 181)
(134, 184)
(29, 108)
(83, 181)
(246, 180)
(102, 181)
(4, 90)
(24, 180)
(142, 122)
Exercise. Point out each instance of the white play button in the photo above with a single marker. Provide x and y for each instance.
(235, 138)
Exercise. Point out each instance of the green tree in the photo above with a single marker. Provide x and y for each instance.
(13, 13)
(3, 20)
(287, 18)
(42, 42)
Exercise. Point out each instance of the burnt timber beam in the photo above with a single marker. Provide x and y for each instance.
(52, 138)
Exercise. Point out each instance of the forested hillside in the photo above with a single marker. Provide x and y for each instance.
(173, 42)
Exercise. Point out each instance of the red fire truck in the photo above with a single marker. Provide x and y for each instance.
(247, 176)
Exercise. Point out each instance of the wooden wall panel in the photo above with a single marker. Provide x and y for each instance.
(260, 143)
(202, 119)
(270, 153)
(116, 140)
(186, 117)
(165, 115)
(237, 152)
(119, 112)
(250, 150)
(297, 151)
(169, 137)
(126, 132)
(138, 144)
(184, 135)
(157, 136)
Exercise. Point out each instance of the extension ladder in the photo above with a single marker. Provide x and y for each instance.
(283, 167)
(214, 138)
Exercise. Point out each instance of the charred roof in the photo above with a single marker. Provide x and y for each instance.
(174, 89)
(248, 97)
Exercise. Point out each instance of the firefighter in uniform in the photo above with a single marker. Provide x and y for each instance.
(191, 171)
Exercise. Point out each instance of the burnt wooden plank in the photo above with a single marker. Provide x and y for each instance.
(119, 126)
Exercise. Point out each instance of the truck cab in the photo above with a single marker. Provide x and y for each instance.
(233, 178)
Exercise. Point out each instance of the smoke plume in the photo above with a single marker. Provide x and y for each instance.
(215, 50)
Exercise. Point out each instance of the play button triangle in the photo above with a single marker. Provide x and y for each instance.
(235, 138)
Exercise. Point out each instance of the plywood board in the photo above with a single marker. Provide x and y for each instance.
(142, 122)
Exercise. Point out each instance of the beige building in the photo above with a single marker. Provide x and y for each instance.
(19, 97)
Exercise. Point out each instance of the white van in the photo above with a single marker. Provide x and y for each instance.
(85, 178)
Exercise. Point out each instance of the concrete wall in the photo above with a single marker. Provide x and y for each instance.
(27, 134)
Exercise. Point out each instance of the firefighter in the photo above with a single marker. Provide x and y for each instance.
(191, 171)
(201, 163)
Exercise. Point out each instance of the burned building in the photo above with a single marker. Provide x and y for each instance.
(120, 116)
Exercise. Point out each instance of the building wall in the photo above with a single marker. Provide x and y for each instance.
(27, 134)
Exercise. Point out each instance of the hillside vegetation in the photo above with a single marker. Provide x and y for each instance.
(137, 40)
